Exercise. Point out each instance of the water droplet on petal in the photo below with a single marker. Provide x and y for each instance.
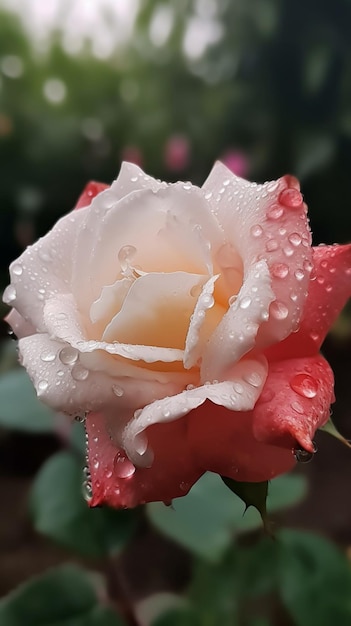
(291, 198)
(125, 255)
(295, 239)
(123, 467)
(238, 387)
(44, 256)
(9, 294)
(279, 310)
(232, 299)
(304, 456)
(256, 230)
(47, 356)
(275, 212)
(272, 245)
(299, 274)
(305, 385)
(79, 372)
(68, 355)
(245, 302)
(118, 391)
(280, 270)
(253, 378)
(297, 407)
(17, 269)
(87, 490)
(43, 385)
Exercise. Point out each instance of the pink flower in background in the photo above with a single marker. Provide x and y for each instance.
(184, 325)
(132, 154)
(237, 162)
(177, 153)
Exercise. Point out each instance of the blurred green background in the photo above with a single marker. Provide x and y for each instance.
(264, 85)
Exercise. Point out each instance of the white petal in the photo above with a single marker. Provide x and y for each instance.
(110, 300)
(62, 381)
(239, 393)
(45, 269)
(170, 230)
(236, 334)
(261, 225)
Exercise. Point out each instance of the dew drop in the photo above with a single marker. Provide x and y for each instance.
(280, 270)
(43, 385)
(253, 378)
(256, 230)
(125, 255)
(118, 391)
(238, 387)
(232, 300)
(272, 245)
(299, 274)
(207, 301)
(245, 302)
(279, 310)
(123, 467)
(295, 239)
(87, 490)
(17, 269)
(291, 198)
(68, 355)
(79, 372)
(305, 385)
(329, 287)
(304, 456)
(288, 251)
(44, 256)
(48, 356)
(297, 407)
(9, 294)
(275, 212)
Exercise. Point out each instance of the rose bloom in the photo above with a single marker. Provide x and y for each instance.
(184, 324)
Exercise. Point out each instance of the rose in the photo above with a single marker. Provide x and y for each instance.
(185, 324)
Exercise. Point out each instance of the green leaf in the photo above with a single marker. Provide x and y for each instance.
(331, 429)
(178, 617)
(314, 580)
(20, 408)
(252, 494)
(205, 520)
(66, 596)
(60, 512)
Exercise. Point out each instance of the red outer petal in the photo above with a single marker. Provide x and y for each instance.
(89, 192)
(172, 473)
(223, 442)
(286, 417)
(329, 290)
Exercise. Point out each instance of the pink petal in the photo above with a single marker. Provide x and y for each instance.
(20, 327)
(89, 192)
(295, 402)
(238, 393)
(267, 222)
(117, 483)
(329, 290)
(222, 441)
